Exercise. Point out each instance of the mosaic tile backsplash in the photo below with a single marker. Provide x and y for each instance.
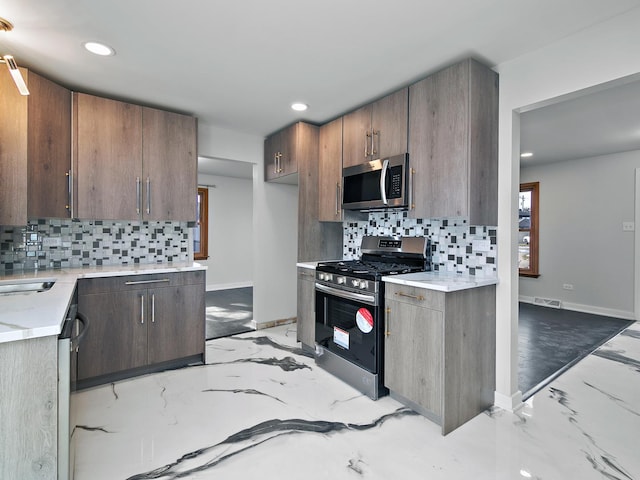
(55, 243)
(455, 245)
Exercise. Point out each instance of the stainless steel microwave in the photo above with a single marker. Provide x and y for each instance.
(375, 185)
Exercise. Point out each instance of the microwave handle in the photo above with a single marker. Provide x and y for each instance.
(383, 181)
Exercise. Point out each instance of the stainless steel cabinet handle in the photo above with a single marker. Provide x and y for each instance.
(414, 297)
(142, 309)
(337, 199)
(148, 195)
(68, 206)
(367, 136)
(412, 173)
(142, 282)
(275, 163)
(386, 322)
(153, 308)
(280, 169)
(374, 134)
(138, 199)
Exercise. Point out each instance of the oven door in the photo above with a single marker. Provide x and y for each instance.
(350, 325)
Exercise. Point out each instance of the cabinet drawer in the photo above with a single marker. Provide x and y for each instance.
(88, 286)
(420, 297)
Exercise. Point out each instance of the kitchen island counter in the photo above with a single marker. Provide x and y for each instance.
(41, 314)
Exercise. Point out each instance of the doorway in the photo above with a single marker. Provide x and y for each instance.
(588, 199)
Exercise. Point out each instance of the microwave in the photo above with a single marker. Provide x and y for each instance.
(376, 185)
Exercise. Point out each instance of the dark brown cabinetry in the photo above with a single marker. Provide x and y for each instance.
(330, 172)
(169, 165)
(316, 240)
(306, 321)
(282, 151)
(377, 130)
(132, 162)
(453, 144)
(35, 158)
(139, 321)
(440, 351)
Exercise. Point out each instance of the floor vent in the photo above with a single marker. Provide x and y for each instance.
(547, 302)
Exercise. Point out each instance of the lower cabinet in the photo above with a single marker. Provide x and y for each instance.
(440, 351)
(306, 328)
(138, 321)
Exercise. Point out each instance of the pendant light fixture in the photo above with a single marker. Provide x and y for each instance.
(6, 26)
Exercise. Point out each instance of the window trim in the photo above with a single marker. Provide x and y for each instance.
(203, 221)
(534, 232)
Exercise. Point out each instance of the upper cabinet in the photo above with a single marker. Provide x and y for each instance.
(107, 153)
(330, 172)
(377, 130)
(35, 158)
(169, 165)
(453, 144)
(281, 152)
(132, 162)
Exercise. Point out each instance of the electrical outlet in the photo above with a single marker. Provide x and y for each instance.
(567, 286)
(628, 226)
(481, 245)
(51, 241)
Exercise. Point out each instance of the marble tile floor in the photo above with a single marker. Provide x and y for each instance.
(262, 409)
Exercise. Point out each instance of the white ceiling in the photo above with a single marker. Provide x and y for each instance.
(239, 65)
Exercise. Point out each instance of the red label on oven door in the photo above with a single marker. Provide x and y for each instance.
(364, 320)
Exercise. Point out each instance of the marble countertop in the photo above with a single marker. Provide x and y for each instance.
(441, 281)
(41, 314)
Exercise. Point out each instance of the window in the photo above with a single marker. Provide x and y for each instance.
(528, 229)
(201, 230)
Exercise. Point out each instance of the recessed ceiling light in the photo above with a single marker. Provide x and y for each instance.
(99, 49)
(299, 107)
(526, 155)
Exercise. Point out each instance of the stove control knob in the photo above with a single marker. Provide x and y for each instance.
(320, 276)
(364, 284)
(341, 280)
(328, 277)
(355, 282)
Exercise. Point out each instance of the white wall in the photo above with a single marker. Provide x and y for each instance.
(582, 206)
(275, 217)
(602, 53)
(230, 263)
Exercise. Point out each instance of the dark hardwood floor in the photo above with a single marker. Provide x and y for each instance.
(229, 312)
(551, 340)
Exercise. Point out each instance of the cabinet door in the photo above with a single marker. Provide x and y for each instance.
(414, 354)
(13, 151)
(306, 322)
(356, 142)
(389, 121)
(438, 143)
(116, 337)
(108, 153)
(176, 322)
(330, 174)
(49, 149)
(271, 152)
(170, 166)
(292, 143)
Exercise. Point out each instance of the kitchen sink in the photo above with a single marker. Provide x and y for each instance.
(11, 287)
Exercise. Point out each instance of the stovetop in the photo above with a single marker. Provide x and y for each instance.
(367, 269)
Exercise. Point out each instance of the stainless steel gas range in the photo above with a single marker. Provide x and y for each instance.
(350, 308)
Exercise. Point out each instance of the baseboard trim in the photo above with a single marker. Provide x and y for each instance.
(576, 307)
(511, 403)
(273, 323)
(228, 286)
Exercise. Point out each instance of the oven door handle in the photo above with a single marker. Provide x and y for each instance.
(359, 297)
